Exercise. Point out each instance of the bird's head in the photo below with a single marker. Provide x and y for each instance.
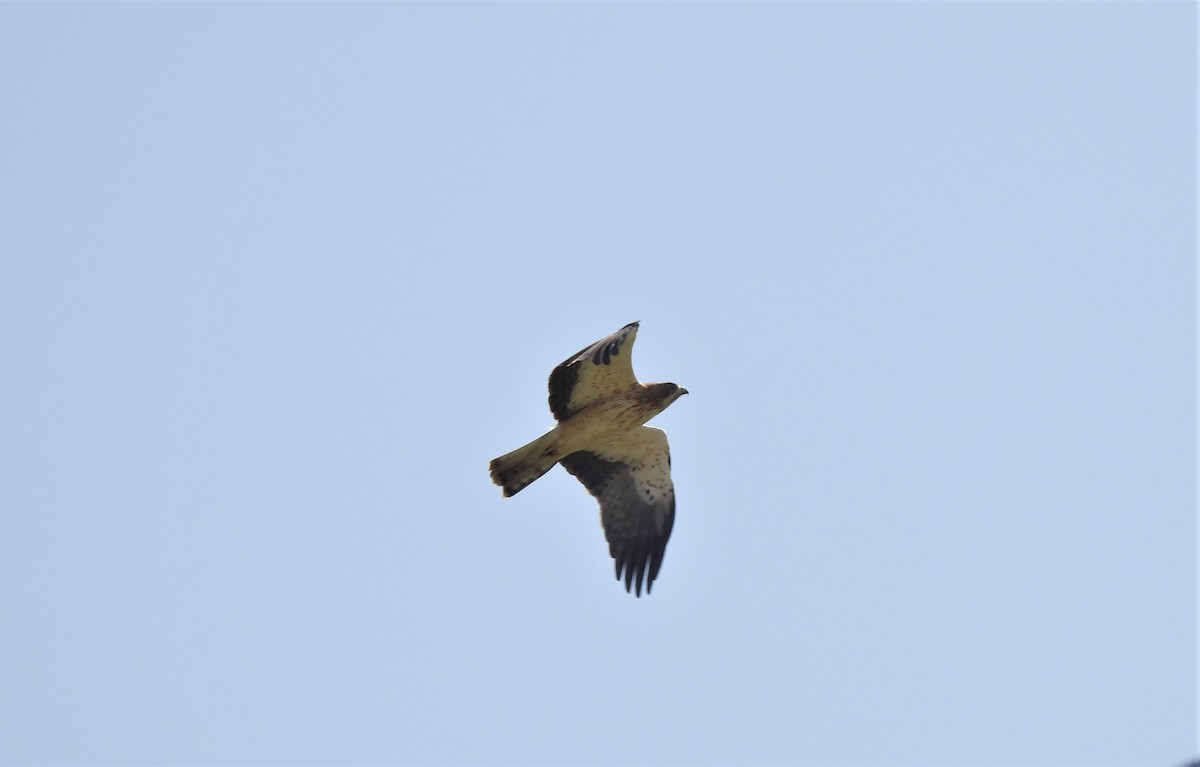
(666, 393)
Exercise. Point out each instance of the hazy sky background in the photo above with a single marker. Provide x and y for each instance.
(278, 280)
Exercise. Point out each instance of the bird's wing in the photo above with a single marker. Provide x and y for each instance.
(632, 480)
(593, 373)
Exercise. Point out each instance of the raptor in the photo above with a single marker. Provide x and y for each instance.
(601, 438)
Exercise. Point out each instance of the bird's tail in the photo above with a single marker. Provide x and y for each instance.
(514, 471)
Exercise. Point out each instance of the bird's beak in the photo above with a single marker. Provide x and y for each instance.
(683, 390)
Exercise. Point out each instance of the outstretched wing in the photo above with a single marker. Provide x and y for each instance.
(632, 480)
(593, 373)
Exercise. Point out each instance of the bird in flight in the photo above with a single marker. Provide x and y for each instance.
(601, 438)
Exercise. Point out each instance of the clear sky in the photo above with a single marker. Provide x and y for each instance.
(278, 280)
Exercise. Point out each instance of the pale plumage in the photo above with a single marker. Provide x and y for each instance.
(601, 439)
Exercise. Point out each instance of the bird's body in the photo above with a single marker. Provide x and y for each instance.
(601, 438)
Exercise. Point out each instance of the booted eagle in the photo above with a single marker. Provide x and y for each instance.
(600, 438)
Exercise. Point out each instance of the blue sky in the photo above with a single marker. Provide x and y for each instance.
(280, 279)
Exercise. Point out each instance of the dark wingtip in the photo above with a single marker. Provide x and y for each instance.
(634, 578)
